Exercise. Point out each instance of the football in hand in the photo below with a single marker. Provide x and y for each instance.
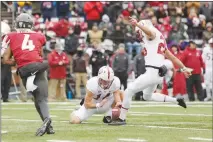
(115, 113)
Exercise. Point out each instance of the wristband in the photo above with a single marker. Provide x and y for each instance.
(183, 69)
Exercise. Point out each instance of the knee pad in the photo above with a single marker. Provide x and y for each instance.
(147, 97)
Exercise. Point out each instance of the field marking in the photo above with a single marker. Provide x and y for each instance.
(146, 126)
(56, 109)
(162, 113)
(60, 141)
(177, 128)
(78, 101)
(131, 140)
(4, 132)
(53, 116)
(200, 139)
(190, 106)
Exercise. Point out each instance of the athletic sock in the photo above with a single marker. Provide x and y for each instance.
(163, 98)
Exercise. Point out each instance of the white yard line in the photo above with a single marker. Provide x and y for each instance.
(177, 128)
(4, 132)
(147, 126)
(166, 105)
(59, 141)
(162, 113)
(200, 139)
(131, 140)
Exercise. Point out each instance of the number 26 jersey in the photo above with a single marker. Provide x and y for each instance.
(26, 47)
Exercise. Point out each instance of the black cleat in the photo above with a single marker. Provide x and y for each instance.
(118, 122)
(107, 119)
(50, 130)
(181, 102)
(43, 129)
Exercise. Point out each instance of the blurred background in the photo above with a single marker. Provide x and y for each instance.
(83, 36)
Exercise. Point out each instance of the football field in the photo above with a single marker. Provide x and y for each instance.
(146, 122)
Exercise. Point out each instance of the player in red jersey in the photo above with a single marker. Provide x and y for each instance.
(25, 46)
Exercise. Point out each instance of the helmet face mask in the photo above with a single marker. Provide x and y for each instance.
(105, 77)
(104, 84)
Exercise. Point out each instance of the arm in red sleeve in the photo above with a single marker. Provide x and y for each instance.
(88, 7)
(51, 61)
(99, 7)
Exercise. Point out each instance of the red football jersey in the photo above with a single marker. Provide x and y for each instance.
(26, 47)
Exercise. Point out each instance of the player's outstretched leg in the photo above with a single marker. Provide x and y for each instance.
(41, 95)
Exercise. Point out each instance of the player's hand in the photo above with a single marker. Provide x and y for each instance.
(103, 102)
(60, 63)
(133, 21)
(118, 104)
(187, 72)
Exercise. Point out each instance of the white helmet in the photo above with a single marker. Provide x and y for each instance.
(105, 77)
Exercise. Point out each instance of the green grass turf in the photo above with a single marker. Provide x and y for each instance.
(177, 123)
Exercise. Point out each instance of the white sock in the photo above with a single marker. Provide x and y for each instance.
(123, 113)
(163, 98)
(109, 112)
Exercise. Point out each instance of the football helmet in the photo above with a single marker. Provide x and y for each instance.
(24, 21)
(105, 77)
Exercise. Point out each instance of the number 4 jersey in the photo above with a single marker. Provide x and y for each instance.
(26, 47)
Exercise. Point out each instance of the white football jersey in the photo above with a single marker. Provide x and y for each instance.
(155, 49)
(208, 56)
(99, 93)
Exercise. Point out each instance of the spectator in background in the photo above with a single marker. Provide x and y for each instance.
(206, 10)
(71, 45)
(80, 63)
(178, 32)
(93, 11)
(194, 26)
(175, 8)
(161, 13)
(97, 60)
(106, 25)
(58, 61)
(114, 10)
(47, 10)
(139, 68)
(179, 82)
(207, 34)
(165, 27)
(192, 58)
(193, 7)
(61, 28)
(129, 11)
(95, 35)
(120, 65)
(117, 36)
(63, 9)
(36, 8)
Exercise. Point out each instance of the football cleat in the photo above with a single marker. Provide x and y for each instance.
(43, 129)
(50, 130)
(107, 119)
(118, 122)
(181, 102)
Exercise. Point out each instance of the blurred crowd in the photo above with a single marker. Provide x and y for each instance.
(83, 36)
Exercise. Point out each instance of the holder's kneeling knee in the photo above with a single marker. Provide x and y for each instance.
(74, 119)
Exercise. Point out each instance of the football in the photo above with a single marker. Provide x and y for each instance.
(115, 113)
